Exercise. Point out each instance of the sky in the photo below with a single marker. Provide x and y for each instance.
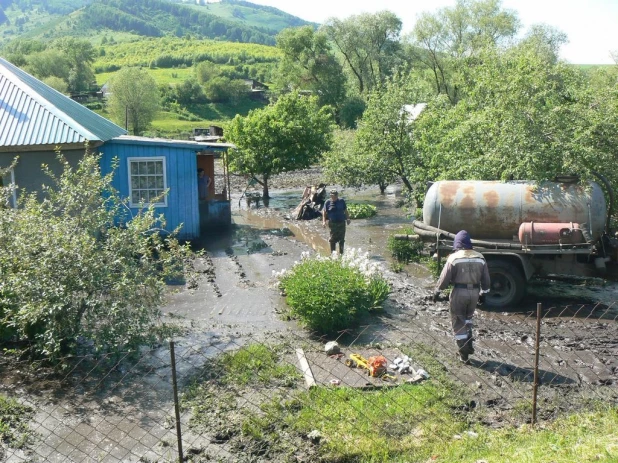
(591, 25)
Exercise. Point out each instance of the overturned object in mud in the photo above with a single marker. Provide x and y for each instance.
(311, 203)
(332, 348)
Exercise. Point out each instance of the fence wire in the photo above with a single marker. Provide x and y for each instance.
(281, 397)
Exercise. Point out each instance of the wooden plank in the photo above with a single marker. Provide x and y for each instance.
(305, 368)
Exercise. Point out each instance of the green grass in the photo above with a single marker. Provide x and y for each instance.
(168, 123)
(361, 211)
(161, 76)
(14, 417)
(143, 52)
(407, 423)
(249, 16)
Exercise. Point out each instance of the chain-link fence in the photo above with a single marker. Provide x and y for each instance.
(226, 396)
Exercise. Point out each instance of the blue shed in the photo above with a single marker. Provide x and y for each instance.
(146, 167)
(35, 119)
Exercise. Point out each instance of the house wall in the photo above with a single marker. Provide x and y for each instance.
(181, 178)
(29, 175)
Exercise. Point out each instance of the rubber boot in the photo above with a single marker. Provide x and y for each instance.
(463, 350)
(340, 247)
(470, 344)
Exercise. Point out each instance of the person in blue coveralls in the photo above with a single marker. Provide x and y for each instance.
(335, 212)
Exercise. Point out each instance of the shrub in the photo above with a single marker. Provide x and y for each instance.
(361, 211)
(405, 251)
(71, 277)
(332, 293)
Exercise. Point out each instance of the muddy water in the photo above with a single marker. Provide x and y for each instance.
(370, 235)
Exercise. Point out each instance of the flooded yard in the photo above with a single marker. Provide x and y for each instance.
(126, 414)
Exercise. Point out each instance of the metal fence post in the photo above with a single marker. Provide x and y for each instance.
(176, 403)
(536, 361)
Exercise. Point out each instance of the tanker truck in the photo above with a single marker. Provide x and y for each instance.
(524, 229)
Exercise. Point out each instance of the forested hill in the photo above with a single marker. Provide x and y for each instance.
(229, 20)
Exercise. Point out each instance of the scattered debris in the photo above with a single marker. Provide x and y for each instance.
(332, 348)
(314, 436)
(311, 203)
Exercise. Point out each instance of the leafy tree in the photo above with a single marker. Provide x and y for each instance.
(57, 83)
(16, 51)
(524, 117)
(287, 135)
(351, 111)
(71, 277)
(309, 64)
(446, 40)
(80, 55)
(49, 63)
(134, 98)
(385, 136)
(206, 70)
(369, 44)
(547, 41)
(189, 92)
(222, 89)
(345, 165)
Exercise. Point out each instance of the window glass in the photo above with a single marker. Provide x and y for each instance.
(147, 181)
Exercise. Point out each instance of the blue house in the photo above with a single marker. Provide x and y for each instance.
(146, 167)
(35, 120)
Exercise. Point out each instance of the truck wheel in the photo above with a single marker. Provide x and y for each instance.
(508, 286)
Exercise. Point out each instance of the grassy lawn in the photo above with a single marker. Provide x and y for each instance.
(168, 123)
(160, 75)
(424, 422)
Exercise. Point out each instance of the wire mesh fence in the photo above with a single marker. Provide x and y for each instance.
(281, 397)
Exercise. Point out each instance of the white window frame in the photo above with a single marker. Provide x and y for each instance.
(162, 159)
(14, 195)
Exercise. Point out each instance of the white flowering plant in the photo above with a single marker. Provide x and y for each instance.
(332, 293)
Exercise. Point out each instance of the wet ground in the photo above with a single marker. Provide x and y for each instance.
(233, 302)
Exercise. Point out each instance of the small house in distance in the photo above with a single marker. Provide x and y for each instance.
(35, 119)
(257, 90)
(212, 133)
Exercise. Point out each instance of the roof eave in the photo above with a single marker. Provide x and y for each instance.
(39, 148)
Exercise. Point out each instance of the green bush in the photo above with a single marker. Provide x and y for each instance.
(361, 211)
(72, 277)
(405, 251)
(332, 293)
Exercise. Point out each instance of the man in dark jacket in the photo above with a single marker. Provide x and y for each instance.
(335, 212)
(467, 271)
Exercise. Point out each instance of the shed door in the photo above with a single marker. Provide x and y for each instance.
(208, 164)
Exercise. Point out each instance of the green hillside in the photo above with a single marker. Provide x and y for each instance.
(230, 20)
(259, 16)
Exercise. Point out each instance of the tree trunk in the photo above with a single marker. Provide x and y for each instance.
(382, 187)
(406, 182)
(265, 194)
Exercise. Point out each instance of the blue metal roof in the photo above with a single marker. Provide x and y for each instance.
(32, 113)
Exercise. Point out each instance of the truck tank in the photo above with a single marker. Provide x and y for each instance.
(497, 209)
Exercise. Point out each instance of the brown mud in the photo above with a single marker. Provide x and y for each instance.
(233, 302)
